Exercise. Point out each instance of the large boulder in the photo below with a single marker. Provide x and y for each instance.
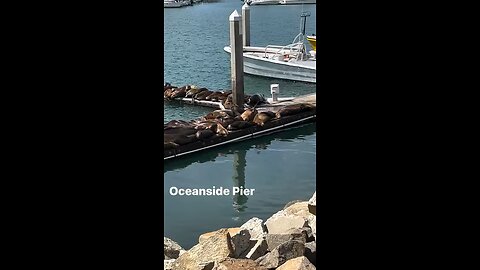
(238, 264)
(281, 254)
(282, 223)
(255, 227)
(240, 239)
(311, 252)
(204, 255)
(274, 240)
(171, 249)
(300, 263)
(168, 264)
(258, 250)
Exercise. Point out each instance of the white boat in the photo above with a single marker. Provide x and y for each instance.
(297, 2)
(172, 4)
(262, 2)
(176, 3)
(290, 62)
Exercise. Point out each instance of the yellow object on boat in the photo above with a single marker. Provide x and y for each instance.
(313, 42)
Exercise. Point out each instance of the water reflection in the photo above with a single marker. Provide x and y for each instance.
(259, 144)
(238, 177)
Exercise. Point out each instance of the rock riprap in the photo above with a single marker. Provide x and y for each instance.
(285, 241)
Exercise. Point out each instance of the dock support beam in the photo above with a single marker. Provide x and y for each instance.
(236, 60)
(246, 24)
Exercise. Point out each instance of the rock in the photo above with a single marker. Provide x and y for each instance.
(238, 264)
(240, 242)
(281, 254)
(202, 256)
(311, 252)
(299, 209)
(255, 227)
(300, 263)
(275, 240)
(205, 236)
(258, 250)
(309, 233)
(312, 204)
(168, 264)
(290, 203)
(282, 223)
(312, 223)
(171, 249)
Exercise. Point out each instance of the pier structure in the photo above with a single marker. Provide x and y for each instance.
(236, 59)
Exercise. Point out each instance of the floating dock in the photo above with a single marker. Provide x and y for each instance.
(272, 126)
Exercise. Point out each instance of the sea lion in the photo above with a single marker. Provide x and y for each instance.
(177, 124)
(293, 109)
(214, 96)
(167, 93)
(204, 134)
(202, 95)
(249, 114)
(179, 139)
(224, 114)
(192, 92)
(221, 130)
(180, 131)
(255, 100)
(169, 145)
(263, 117)
(179, 92)
(209, 124)
(239, 125)
(228, 103)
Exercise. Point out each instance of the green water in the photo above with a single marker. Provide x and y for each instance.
(280, 167)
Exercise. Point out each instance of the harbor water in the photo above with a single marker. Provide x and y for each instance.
(280, 167)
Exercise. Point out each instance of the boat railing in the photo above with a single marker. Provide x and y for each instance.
(296, 49)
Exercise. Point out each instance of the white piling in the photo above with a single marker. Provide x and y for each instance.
(246, 24)
(236, 60)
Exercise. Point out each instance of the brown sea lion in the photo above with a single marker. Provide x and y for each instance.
(177, 124)
(204, 134)
(169, 145)
(179, 139)
(178, 93)
(294, 109)
(202, 95)
(209, 124)
(249, 114)
(192, 92)
(263, 117)
(214, 96)
(221, 130)
(167, 93)
(239, 125)
(180, 131)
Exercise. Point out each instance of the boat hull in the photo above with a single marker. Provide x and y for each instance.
(276, 69)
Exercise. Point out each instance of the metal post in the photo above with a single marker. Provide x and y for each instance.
(236, 60)
(246, 24)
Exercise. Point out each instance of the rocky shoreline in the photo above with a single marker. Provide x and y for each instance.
(285, 241)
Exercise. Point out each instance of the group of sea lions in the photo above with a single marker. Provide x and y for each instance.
(171, 92)
(221, 122)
